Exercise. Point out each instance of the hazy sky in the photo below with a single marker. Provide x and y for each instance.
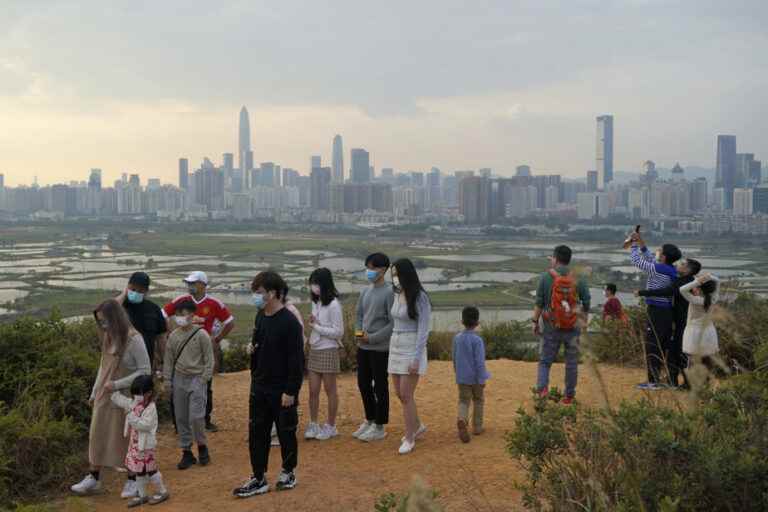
(132, 86)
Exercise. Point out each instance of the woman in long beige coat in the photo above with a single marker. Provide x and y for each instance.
(123, 358)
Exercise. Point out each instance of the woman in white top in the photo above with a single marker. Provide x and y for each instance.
(327, 323)
(412, 313)
(700, 337)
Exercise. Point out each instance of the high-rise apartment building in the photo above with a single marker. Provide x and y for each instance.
(743, 201)
(760, 199)
(725, 177)
(183, 173)
(337, 160)
(244, 140)
(315, 161)
(321, 188)
(699, 194)
(523, 171)
(2, 180)
(474, 195)
(228, 162)
(361, 166)
(604, 157)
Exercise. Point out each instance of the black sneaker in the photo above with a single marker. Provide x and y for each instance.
(211, 426)
(187, 460)
(203, 455)
(286, 481)
(253, 487)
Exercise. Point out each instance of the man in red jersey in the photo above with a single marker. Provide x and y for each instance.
(214, 317)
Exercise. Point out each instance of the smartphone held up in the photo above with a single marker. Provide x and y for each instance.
(628, 241)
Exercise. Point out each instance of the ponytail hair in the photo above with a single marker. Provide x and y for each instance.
(708, 289)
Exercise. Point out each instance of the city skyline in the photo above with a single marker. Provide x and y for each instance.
(494, 87)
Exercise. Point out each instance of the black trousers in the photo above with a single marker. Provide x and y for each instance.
(209, 402)
(658, 338)
(373, 382)
(265, 408)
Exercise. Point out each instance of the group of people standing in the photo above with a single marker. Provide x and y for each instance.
(179, 343)
(392, 326)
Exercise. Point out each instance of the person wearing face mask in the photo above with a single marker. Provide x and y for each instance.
(146, 316)
(188, 367)
(373, 326)
(214, 317)
(412, 312)
(277, 372)
(123, 358)
(327, 323)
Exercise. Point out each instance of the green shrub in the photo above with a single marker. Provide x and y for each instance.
(510, 340)
(419, 498)
(615, 342)
(644, 456)
(236, 358)
(37, 451)
(46, 374)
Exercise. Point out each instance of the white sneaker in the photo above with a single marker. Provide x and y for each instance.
(374, 434)
(406, 447)
(87, 485)
(130, 490)
(364, 427)
(313, 431)
(420, 432)
(327, 432)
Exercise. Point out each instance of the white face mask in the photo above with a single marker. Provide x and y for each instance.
(181, 321)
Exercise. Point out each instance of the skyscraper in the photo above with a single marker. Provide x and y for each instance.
(523, 170)
(228, 162)
(244, 139)
(361, 166)
(320, 195)
(337, 161)
(725, 177)
(604, 157)
(183, 173)
(474, 195)
(2, 181)
(315, 161)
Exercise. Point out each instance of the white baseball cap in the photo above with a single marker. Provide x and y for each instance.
(196, 276)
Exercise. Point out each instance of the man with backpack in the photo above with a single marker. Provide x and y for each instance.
(561, 300)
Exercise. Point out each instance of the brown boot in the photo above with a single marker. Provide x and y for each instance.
(463, 431)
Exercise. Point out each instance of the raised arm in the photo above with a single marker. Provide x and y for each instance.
(642, 260)
(685, 291)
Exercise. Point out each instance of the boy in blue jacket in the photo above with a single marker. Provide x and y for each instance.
(471, 374)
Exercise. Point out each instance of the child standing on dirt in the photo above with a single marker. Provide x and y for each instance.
(141, 428)
(468, 356)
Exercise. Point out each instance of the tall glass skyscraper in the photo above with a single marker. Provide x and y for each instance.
(725, 177)
(361, 166)
(337, 161)
(604, 159)
(244, 140)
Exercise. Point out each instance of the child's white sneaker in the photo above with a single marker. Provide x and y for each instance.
(130, 490)
(87, 485)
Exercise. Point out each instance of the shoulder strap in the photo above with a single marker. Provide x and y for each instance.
(178, 354)
(553, 273)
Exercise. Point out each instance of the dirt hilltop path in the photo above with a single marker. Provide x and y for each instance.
(347, 475)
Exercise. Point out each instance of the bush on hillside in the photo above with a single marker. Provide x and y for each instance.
(644, 456)
(616, 342)
(46, 374)
(510, 340)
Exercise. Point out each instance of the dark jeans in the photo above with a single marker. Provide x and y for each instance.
(658, 340)
(265, 408)
(373, 382)
(676, 359)
(209, 402)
